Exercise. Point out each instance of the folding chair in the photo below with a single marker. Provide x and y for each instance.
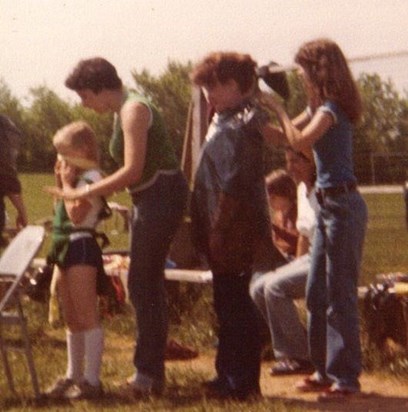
(14, 263)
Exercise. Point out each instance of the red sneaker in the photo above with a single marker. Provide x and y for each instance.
(311, 384)
(337, 395)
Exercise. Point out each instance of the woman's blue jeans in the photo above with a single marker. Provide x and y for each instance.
(158, 211)
(331, 292)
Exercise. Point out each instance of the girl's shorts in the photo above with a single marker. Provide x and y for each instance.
(84, 251)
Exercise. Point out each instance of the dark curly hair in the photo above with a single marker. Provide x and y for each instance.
(280, 183)
(223, 66)
(95, 74)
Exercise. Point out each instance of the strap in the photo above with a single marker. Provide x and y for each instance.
(97, 235)
(106, 211)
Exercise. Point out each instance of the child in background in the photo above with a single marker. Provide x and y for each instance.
(281, 189)
(78, 260)
(275, 290)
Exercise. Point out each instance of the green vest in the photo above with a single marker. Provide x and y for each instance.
(160, 153)
(61, 229)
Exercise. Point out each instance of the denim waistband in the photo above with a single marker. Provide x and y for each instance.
(344, 188)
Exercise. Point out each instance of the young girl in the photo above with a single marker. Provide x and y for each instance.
(334, 105)
(78, 259)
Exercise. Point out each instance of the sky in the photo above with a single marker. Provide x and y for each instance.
(42, 40)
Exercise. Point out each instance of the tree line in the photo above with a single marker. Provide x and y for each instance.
(380, 144)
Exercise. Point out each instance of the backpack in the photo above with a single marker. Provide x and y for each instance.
(384, 316)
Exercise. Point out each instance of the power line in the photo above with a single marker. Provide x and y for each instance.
(378, 56)
(358, 59)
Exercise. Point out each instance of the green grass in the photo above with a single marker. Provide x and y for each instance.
(385, 251)
(387, 237)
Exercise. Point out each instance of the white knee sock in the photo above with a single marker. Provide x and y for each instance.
(75, 355)
(93, 355)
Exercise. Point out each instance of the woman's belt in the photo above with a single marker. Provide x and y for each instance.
(344, 188)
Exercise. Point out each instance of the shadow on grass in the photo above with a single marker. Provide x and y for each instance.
(193, 396)
(190, 395)
(365, 402)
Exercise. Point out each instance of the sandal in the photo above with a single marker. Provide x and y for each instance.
(311, 384)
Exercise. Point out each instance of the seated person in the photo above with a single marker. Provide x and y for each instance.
(281, 190)
(274, 291)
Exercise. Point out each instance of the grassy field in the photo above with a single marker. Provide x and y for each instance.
(387, 236)
(385, 251)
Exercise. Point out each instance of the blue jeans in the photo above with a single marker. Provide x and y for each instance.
(274, 293)
(158, 211)
(331, 291)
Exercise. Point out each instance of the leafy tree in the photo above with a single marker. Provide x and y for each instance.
(294, 105)
(171, 92)
(401, 144)
(45, 116)
(379, 131)
(297, 101)
(383, 129)
(10, 105)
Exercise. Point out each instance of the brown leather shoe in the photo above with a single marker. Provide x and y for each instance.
(176, 351)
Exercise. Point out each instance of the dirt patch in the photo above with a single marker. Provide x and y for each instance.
(379, 393)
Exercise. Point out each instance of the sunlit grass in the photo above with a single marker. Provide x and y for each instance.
(387, 236)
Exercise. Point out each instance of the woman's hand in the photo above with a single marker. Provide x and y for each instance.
(269, 101)
(76, 204)
(66, 193)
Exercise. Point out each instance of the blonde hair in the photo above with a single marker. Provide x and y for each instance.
(77, 139)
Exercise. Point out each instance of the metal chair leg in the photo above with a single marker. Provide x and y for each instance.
(6, 363)
(28, 351)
